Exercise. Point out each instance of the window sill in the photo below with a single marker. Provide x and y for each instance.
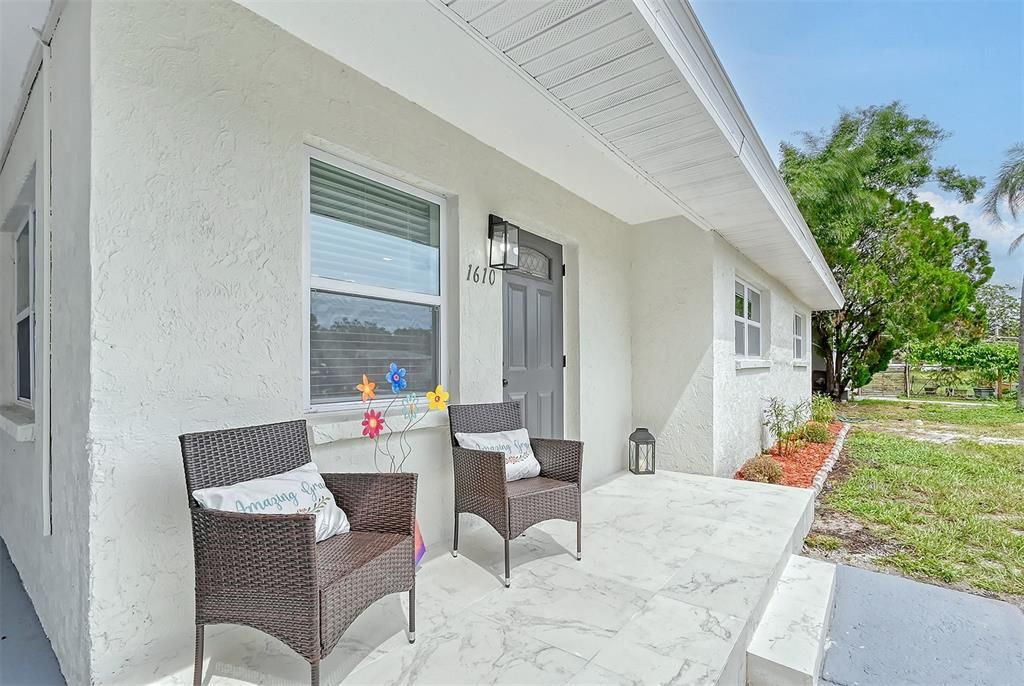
(342, 426)
(753, 363)
(18, 422)
(800, 364)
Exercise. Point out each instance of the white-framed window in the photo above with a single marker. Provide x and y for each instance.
(747, 320)
(24, 309)
(798, 336)
(375, 265)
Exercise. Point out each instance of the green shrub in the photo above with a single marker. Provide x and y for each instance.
(823, 409)
(816, 432)
(762, 469)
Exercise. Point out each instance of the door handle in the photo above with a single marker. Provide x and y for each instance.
(504, 382)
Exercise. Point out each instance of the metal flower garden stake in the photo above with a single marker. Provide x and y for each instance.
(377, 422)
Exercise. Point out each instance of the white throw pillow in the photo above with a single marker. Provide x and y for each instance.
(520, 462)
(301, 490)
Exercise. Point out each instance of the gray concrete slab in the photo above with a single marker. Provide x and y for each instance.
(26, 658)
(891, 631)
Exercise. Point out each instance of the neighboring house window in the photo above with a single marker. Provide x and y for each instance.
(375, 283)
(798, 336)
(747, 320)
(24, 317)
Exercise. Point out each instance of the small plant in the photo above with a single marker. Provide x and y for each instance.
(816, 432)
(783, 421)
(823, 542)
(823, 409)
(762, 469)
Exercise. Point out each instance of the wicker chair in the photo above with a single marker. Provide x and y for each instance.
(513, 507)
(267, 571)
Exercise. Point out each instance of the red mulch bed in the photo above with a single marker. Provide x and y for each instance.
(803, 460)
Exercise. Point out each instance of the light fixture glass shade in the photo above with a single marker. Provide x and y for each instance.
(504, 236)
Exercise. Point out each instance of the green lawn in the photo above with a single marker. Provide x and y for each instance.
(998, 419)
(955, 512)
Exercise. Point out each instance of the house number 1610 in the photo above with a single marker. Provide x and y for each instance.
(474, 274)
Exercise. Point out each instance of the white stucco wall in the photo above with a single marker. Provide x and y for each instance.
(54, 568)
(673, 386)
(705, 413)
(741, 394)
(200, 113)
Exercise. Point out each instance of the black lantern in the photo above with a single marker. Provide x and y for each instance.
(504, 243)
(641, 451)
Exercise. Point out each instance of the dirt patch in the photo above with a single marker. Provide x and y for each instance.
(933, 433)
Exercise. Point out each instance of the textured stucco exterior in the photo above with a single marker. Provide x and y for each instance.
(54, 569)
(741, 394)
(706, 413)
(200, 114)
(673, 357)
(179, 139)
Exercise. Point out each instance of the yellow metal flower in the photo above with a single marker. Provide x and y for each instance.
(366, 388)
(437, 399)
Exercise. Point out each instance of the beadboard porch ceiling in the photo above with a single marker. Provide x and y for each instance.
(622, 102)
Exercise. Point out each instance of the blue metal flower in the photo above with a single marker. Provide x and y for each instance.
(396, 377)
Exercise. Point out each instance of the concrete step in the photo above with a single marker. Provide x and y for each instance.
(789, 643)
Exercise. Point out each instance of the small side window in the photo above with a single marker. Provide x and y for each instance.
(798, 337)
(747, 320)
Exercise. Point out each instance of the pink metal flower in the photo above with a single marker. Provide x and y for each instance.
(373, 422)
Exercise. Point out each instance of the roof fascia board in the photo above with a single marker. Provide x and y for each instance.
(688, 47)
(28, 79)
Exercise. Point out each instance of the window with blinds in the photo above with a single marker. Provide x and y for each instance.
(375, 283)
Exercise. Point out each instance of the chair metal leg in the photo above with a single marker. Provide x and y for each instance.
(579, 539)
(508, 575)
(455, 538)
(197, 677)
(314, 673)
(412, 614)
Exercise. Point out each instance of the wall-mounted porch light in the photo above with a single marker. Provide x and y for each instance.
(504, 238)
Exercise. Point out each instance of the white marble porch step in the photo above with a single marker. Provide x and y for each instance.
(789, 642)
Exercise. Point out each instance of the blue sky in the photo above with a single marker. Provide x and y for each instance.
(960, 63)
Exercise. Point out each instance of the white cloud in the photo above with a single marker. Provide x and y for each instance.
(999, 234)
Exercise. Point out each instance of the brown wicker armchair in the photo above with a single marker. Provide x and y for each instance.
(267, 571)
(513, 507)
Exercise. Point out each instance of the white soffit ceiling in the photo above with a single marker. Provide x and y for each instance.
(632, 76)
(621, 102)
(598, 59)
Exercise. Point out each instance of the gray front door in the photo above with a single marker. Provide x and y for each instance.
(533, 335)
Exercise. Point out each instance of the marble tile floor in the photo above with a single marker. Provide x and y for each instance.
(677, 570)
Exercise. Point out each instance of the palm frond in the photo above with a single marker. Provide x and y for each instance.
(1009, 185)
(1017, 242)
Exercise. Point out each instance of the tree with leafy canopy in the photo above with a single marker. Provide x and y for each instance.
(1002, 310)
(1009, 189)
(906, 273)
(995, 362)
